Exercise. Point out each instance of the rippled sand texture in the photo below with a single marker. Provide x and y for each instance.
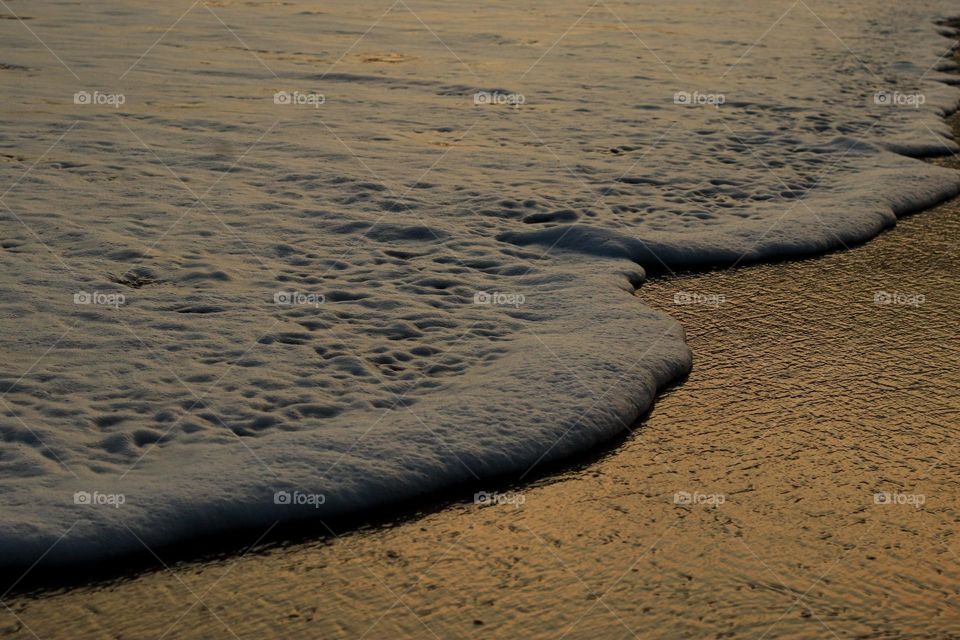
(807, 398)
(199, 199)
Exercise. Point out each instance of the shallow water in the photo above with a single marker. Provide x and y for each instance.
(221, 207)
(807, 398)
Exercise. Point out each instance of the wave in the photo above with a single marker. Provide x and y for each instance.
(234, 310)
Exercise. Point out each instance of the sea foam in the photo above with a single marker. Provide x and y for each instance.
(318, 306)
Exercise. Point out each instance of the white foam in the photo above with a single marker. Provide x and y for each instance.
(381, 212)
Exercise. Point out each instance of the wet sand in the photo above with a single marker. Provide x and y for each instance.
(806, 399)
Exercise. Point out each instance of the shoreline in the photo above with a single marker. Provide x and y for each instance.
(828, 445)
(630, 251)
(44, 580)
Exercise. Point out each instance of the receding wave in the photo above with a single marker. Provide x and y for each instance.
(323, 272)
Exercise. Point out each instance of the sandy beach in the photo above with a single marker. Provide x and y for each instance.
(795, 425)
(523, 320)
(271, 263)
